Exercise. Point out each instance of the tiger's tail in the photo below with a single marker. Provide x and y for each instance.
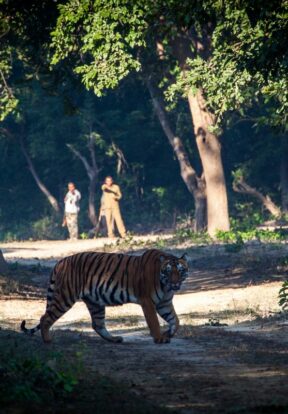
(29, 331)
(49, 299)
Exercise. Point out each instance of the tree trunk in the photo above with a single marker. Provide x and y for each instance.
(284, 176)
(200, 223)
(210, 153)
(92, 172)
(194, 184)
(240, 186)
(91, 202)
(3, 264)
(51, 199)
(207, 142)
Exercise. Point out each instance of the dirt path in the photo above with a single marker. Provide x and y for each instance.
(49, 251)
(209, 367)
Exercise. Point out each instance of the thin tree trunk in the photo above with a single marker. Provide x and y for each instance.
(210, 153)
(194, 184)
(240, 186)
(284, 176)
(92, 172)
(51, 199)
(3, 264)
(200, 207)
(91, 202)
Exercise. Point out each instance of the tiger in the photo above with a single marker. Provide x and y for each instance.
(111, 279)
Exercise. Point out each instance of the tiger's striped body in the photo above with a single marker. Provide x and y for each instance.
(110, 279)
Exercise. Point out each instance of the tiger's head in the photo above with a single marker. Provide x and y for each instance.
(173, 271)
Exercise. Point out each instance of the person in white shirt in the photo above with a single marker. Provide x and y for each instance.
(72, 208)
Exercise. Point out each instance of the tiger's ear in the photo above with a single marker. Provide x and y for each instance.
(184, 256)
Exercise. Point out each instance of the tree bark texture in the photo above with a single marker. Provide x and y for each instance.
(195, 185)
(209, 148)
(208, 143)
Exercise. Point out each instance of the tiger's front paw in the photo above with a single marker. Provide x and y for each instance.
(163, 339)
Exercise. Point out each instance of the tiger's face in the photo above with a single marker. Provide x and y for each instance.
(173, 272)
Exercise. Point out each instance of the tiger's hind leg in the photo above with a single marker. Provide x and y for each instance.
(55, 309)
(97, 313)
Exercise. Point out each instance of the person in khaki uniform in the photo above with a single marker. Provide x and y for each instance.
(111, 196)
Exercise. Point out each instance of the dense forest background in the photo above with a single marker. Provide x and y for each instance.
(55, 129)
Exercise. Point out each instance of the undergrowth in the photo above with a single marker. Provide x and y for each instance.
(31, 378)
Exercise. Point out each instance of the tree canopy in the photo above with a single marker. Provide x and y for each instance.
(76, 69)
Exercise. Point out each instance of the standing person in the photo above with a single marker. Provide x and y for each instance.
(111, 196)
(72, 208)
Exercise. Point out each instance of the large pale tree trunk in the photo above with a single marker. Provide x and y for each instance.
(208, 143)
(210, 153)
(194, 184)
(51, 199)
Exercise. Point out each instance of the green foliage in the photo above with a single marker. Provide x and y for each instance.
(8, 102)
(109, 30)
(182, 234)
(240, 237)
(283, 296)
(31, 379)
(46, 228)
(105, 41)
(248, 47)
(235, 239)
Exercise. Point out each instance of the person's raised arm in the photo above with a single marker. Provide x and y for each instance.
(118, 194)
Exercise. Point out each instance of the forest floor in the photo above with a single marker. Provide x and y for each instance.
(230, 354)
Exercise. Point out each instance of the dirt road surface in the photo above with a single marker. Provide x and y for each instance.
(230, 354)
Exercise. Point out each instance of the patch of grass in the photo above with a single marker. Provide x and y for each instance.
(30, 378)
(38, 379)
(183, 234)
(215, 322)
(240, 237)
(129, 320)
(19, 279)
(130, 243)
(9, 286)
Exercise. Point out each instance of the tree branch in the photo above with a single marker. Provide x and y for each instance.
(187, 171)
(240, 186)
(52, 200)
(83, 159)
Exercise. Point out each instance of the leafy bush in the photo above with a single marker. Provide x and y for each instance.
(31, 379)
(188, 233)
(46, 228)
(239, 237)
